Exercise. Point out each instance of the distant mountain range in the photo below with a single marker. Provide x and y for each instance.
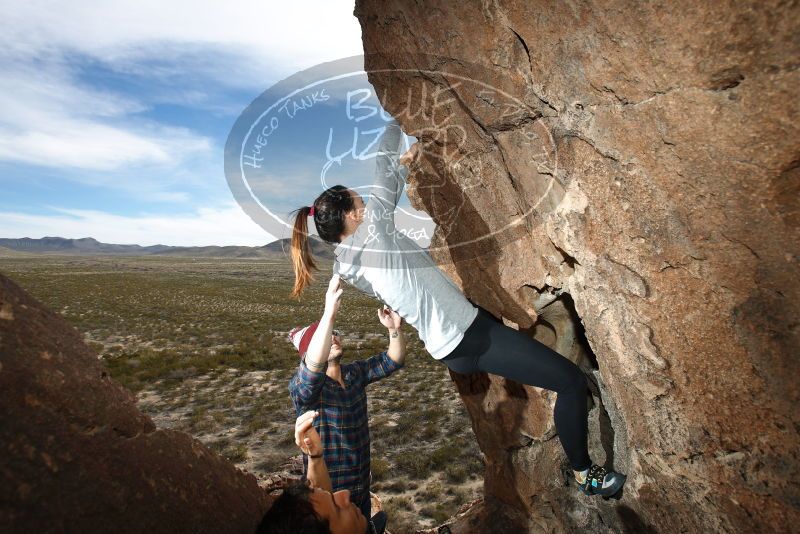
(89, 246)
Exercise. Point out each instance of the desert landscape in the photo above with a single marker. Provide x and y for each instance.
(617, 180)
(202, 342)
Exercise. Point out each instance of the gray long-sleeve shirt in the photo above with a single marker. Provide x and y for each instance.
(384, 263)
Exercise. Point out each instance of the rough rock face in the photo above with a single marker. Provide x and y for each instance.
(76, 455)
(621, 180)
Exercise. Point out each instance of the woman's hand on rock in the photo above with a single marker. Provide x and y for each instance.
(410, 155)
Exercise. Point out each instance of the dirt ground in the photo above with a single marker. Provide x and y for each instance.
(203, 345)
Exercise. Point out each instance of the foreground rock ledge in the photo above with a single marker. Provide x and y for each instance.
(654, 149)
(76, 455)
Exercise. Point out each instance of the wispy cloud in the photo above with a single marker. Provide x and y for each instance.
(136, 98)
(272, 38)
(50, 119)
(224, 225)
(66, 142)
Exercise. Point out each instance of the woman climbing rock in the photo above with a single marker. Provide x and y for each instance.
(372, 255)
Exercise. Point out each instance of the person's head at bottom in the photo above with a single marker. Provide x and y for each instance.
(305, 510)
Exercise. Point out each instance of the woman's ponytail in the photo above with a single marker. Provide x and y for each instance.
(302, 259)
(329, 211)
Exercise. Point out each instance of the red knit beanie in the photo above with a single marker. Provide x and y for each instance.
(301, 337)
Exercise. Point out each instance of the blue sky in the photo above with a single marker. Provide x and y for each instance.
(114, 115)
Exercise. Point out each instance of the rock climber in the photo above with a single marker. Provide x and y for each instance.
(384, 263)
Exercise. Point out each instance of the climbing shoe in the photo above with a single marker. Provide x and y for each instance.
(601, 482)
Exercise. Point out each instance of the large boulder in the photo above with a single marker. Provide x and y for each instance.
(622, 181)
(76, 455)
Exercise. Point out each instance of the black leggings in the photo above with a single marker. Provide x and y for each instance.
(493, 347)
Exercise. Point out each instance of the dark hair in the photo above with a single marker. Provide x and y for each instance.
(293, 513)
(330, 209)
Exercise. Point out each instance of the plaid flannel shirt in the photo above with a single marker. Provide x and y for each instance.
(342, 421)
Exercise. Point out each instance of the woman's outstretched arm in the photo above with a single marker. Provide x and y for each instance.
(389, 172)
